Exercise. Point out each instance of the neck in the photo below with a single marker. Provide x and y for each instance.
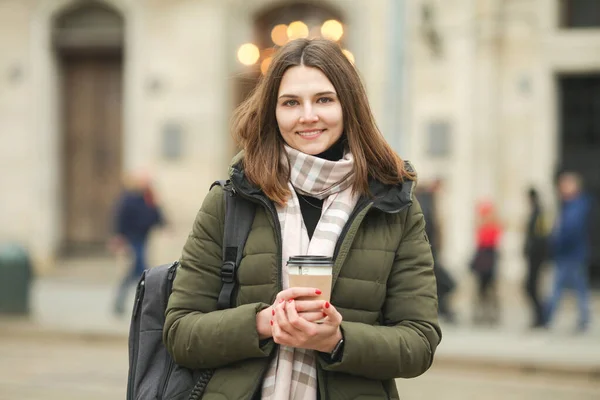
(334, 153)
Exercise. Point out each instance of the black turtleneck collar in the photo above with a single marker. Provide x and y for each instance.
(335, 152)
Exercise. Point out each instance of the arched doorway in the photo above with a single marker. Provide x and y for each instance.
(88, 40)
(275, 26)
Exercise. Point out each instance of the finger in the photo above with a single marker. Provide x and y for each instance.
(302, 326)
(279, 335)
(282, 319)
(312, 316)
(278, 301)
(308, 305)
(333, 316)
(295, 292)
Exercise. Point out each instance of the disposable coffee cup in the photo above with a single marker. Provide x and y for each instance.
(311, 271)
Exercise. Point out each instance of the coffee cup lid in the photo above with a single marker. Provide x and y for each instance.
(308, 259)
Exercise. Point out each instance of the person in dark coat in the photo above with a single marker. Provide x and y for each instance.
(445, 282)
(136, 215)
(535, 249)
(570, 249)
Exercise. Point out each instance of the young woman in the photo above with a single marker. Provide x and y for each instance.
(326, 183)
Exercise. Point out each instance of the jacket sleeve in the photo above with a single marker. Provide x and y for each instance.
(195, 333)
(403, 347)
(120, 222)
(572, 224)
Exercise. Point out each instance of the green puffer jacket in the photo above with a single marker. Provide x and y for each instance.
(383, 285)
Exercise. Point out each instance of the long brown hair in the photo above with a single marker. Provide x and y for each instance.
(256, 131)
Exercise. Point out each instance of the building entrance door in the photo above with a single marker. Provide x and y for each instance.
(580, 134)
(92, 103)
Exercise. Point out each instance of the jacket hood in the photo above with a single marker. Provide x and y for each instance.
(387, 198)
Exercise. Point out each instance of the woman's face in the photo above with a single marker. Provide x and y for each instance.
(309, 113)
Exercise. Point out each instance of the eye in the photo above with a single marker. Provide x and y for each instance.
(290, 103)
(324, 100)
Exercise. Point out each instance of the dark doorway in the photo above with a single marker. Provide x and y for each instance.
(92, 147)
(88, 40)
(580, 13)
(579, 98)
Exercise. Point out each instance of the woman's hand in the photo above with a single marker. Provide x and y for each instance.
(307, 307)
(289, 328)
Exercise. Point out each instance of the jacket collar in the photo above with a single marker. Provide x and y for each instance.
(387, 198)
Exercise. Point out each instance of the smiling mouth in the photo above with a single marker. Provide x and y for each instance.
(311, 133)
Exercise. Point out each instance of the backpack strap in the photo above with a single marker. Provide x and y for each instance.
(239, 215)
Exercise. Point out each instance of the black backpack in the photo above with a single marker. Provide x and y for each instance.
(152, 372)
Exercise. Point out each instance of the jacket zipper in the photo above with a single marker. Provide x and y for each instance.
(269, 206)
(357, 210)
(170, 363)
(257, 383)
(347, 226)
(139, 296)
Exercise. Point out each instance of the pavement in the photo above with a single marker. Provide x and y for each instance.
(76, 303)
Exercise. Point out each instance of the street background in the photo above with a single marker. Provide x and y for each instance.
(488, 97)
(72, 346)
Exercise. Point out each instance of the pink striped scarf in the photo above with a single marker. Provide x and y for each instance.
(293, 373)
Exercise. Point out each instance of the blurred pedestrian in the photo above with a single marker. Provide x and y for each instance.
(570, 248)
(135, 215)
(535, 252)
(428, 196)
(485, 264)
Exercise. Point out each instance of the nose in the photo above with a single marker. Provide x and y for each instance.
(308, 115)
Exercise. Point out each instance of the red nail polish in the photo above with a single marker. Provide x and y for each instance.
(271, 322)
(324, 314)
(273, 312)
(318, 291)
(326, 304)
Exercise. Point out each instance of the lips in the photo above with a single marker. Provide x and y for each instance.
(310, 132)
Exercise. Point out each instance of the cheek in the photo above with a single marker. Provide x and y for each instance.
(332, 116)
(285, 119)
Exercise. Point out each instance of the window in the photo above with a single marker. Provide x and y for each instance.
(580, 13)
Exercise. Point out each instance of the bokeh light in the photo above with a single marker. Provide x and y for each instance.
(297, 30)
(279, 34)
(248, 54)
(332, 30)
(264, 65)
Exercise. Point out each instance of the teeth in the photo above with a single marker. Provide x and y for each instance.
(310, 133)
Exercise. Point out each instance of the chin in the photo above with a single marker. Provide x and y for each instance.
(313, 150)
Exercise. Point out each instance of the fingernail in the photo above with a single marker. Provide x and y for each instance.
(273, 312)
(324, 314)
(326, 304)
(318, 291)
(271, 322)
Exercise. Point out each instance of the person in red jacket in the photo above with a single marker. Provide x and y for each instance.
(484, 265)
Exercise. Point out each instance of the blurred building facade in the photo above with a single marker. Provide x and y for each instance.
(503, 94)
(469, 90)
(92, 89)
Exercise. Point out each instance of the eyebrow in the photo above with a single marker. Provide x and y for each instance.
(293, 96)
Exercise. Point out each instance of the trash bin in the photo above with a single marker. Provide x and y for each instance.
(15, 279)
